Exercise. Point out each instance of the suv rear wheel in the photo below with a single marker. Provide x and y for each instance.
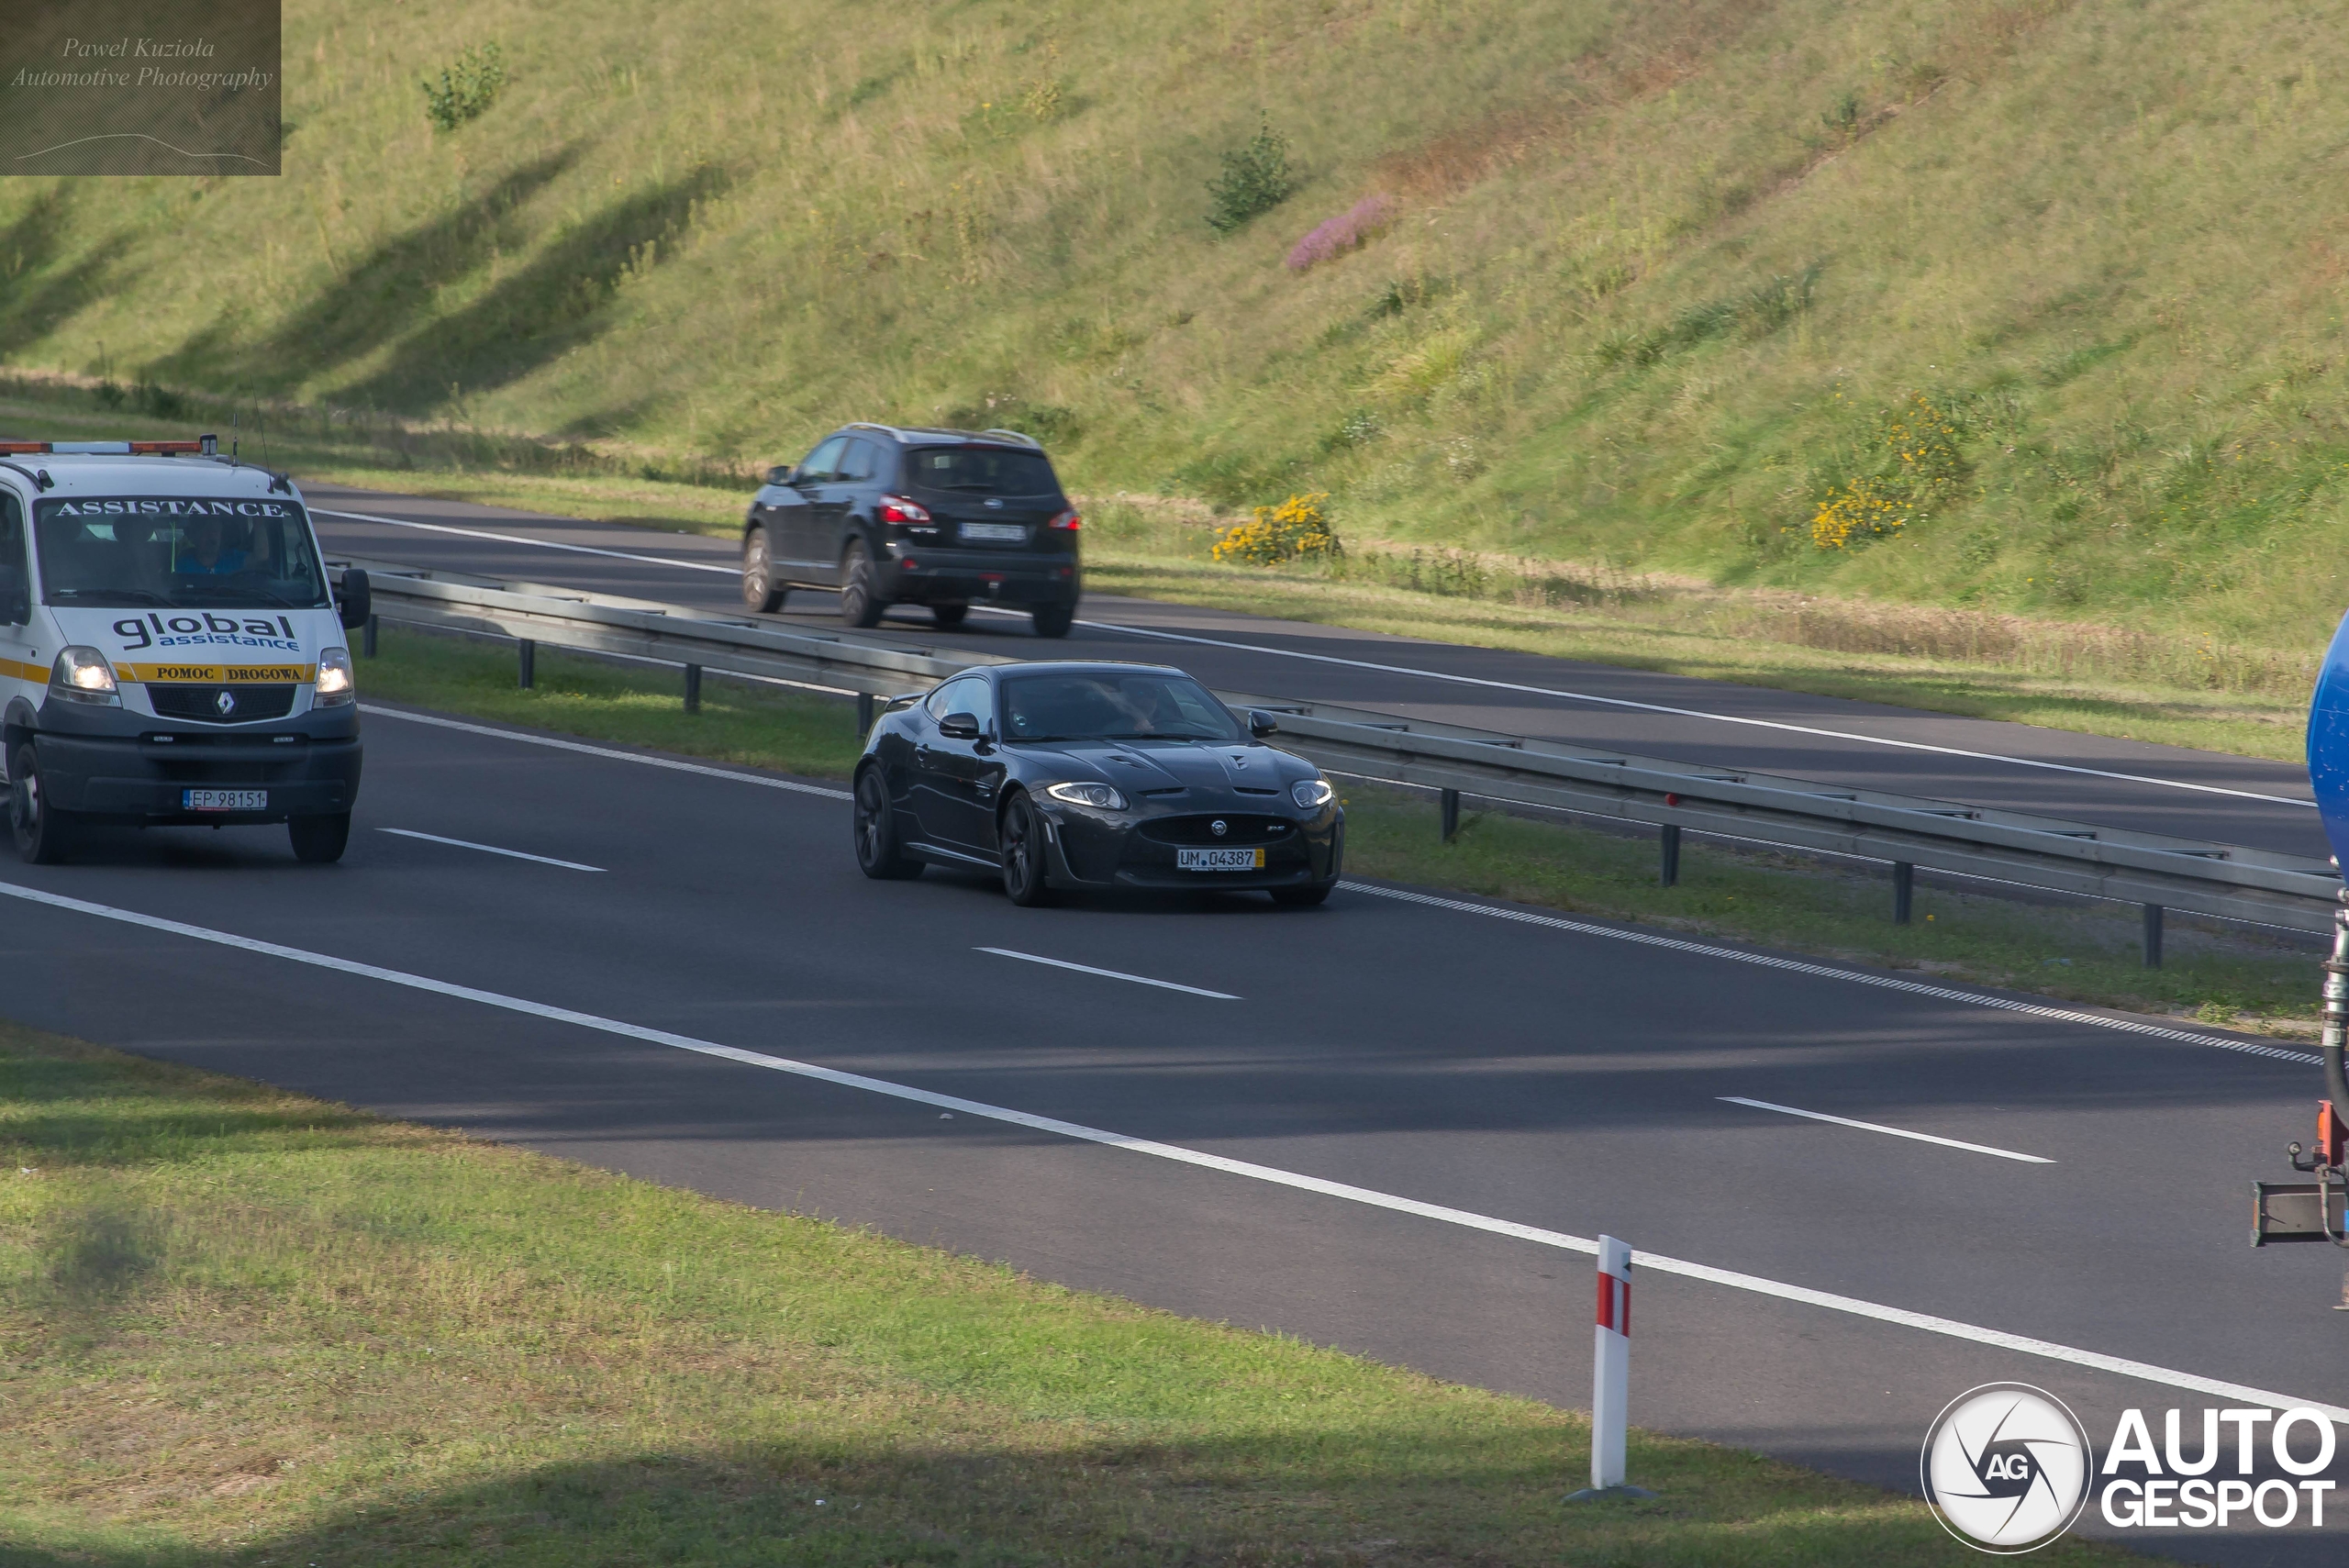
(859, 606)
(948, 615)
(1053, 620)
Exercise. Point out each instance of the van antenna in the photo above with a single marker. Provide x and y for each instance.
(232, 438)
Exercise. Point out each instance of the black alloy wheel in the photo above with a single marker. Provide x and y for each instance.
(859, 607)
(319, 840)
(44, 835)
(874, 824)
(760, 590)
(948, 615)
(1023, 854)
(1053, 620)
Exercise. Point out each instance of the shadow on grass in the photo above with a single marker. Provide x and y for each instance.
(33, 305)
(544, 310)
(380, 297)
(1422, 1496)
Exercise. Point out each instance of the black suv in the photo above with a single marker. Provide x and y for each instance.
(935, 517)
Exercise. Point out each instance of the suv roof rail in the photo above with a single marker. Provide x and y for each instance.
(203, 446)
(872, 425)
(1024, 438)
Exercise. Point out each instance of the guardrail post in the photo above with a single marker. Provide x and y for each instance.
(1448, 802)
(527, 667)
(2153, 936)
(1668, 855)
(863, 713)
(367, 638)
(692, 688)
(1904, 891)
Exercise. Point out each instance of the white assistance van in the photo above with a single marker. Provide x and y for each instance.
(170, 649)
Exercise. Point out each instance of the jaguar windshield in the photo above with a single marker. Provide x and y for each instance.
(1101, 706)
(191, 552)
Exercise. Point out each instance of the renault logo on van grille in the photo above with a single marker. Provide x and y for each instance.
(226, 702)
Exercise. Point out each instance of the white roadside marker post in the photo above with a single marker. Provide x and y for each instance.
(1610, 1376)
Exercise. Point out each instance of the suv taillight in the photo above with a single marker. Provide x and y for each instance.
(908, 514)
(1068, 519)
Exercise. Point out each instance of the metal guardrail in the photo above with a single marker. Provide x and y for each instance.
(2229, 881)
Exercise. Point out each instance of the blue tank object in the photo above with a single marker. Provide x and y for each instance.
(2328, 742)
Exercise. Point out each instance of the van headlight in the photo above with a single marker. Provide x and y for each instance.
(82, 675)
(1311, 794)
(1100, 797)
(336, 685)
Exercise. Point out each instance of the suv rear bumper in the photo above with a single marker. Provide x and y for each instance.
(961, 576)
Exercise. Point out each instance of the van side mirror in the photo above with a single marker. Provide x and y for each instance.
(353, 599)
(1260, 723)
(959, 726)
(15, 596)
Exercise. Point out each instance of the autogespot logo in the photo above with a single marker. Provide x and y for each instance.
(2007, 1467)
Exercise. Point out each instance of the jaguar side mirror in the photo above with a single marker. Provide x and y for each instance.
(959, 726)
(1260, 724)
(781, 473)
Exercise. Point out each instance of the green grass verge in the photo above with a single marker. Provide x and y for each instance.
(2215, 974)
(244, 1326)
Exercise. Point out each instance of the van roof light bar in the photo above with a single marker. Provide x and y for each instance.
(202, 447)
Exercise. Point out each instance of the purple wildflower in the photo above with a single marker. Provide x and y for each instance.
(1334, 235)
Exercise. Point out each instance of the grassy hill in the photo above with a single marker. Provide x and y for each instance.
(2021, 306)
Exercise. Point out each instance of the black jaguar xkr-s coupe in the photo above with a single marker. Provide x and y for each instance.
(1067, 775)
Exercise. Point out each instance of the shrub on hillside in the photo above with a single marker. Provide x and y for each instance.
(1294, 530)
(1335, 236)
(1255, 179)
(1918, 465)
(467, 87)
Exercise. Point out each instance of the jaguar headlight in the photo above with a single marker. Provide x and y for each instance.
(1311, 794)
(82, 675)
(337, 684)
(1100, 797)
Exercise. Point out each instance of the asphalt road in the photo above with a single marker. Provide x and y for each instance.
(1529, 1071)
(2121, 784)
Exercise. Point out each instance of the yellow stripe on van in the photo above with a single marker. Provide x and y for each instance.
(213, 674)
(22, 671)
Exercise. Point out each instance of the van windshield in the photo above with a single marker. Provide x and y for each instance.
(191, 552)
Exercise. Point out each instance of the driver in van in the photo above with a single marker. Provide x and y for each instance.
(204, 550)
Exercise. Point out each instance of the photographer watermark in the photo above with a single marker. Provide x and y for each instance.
(140, 87)
(2007, 1468)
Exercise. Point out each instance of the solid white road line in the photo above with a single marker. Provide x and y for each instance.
(1108, 973)
(541, 543)
(486, 849)
(1436, 675)
(1853, 977)
(604, 751)
(1997, 1339)
(1893, 1131)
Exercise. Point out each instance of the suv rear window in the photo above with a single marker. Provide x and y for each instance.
(981, 471)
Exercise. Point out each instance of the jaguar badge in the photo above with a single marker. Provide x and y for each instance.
(1218, 827)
